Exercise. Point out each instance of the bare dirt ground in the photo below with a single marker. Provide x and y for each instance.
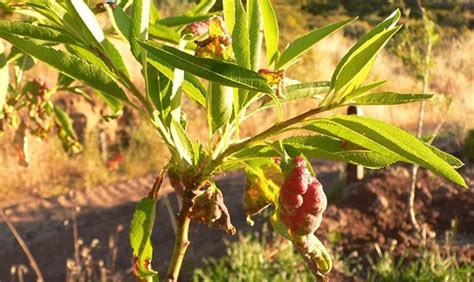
(373, 210)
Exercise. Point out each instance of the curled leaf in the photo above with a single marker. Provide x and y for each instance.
(209, 208)
(262, 186)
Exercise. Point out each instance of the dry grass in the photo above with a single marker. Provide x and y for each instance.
(52, 170)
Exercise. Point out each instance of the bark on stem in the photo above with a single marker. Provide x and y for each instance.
(181, 242)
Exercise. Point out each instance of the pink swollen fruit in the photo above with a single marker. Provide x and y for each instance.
(302, 200)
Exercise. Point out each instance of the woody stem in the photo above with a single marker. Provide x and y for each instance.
(181, 242)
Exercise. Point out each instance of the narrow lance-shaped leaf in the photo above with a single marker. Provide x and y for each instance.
(315, 89)
(385, 139)
(302, 44)
(219, 105)
(140, 22)
(389, 22)
(94, 32)
(325, 147)
(64, 121)
(225, 73)
(191, 84)
(182, 142)
(270, 30)
(69, 65)
(203, 7)
(114, 104)
(255, 23)
(141, 228)
(363, 90)
(120, 21)
(183, 20)
(236, 21)
(389, 98)
(37, 32)
(163, 33)
(237, 24)
(357, 66)
(50, 9)
(450, 159)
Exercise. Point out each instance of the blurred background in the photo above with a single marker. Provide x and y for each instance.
(73, 210)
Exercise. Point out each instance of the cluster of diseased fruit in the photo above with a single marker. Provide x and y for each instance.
(302, 200)
(299, 202)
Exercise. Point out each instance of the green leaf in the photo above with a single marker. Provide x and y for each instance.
(183, 20)
(191, 84)
(203, 7)
(37, 32)
(64, 80)
(164, 33)
(64, 121)
(325, 147)
(358, 65)
(69, 65)
(315, 89)
(50, 9)
(302, 44)
(154, 88)
(270, 30)
(219, 105)
(141, 227)
(120, 21)
(84, 16)
(87, 19)
(388, 23)
(182, 142)
(362, 90)
(140, 22)
(236, 21)
(114, 104)
(255, 23)
(389, 98)
(224, 73)
(90, 57)
(450, 159)
(387, 140)
(4, 78)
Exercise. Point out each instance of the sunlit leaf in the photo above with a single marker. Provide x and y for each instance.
(182, 142)
(302, 44)
(203, 7)
(389, 98)
(255, 23)
(225, 73)
(69, 64)
(141, 227)
(37, 32)
(270, 30)
(385, 139)
(219, 105)
(236, 21)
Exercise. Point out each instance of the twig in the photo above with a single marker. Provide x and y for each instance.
(312, 266)
(414, 171)
(181, 242)
(23, 246)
